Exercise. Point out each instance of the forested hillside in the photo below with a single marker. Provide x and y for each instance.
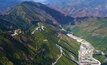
(31, 35)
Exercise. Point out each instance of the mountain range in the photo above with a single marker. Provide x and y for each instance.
(74, 8)
(80, 8)
(36, 34)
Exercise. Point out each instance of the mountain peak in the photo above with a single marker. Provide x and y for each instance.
(33, 11)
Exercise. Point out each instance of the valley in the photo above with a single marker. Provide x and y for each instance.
(33, 33)
(88, 29)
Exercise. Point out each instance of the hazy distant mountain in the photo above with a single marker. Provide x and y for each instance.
(80, 8)
(5, 4)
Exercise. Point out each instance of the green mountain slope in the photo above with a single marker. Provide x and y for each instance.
(39, 48)
(28, 13)
(94, 30)
(38, 11)
(31, 36)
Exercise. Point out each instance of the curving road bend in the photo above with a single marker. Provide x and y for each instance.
(61, 51)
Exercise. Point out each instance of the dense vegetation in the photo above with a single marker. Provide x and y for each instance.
(39, 48)
(28, 49)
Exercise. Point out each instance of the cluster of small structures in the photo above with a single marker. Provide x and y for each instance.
(85, 52)
(16, 32)
(99, 52)
(86, 55)
(39, 28)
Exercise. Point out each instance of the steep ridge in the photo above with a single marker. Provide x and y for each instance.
(31, 12)
(80, 8)
(29, 36)
(41, 11)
